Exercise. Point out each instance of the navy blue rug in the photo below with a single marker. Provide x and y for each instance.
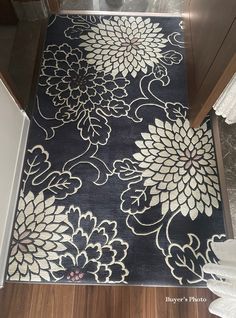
(116, 187)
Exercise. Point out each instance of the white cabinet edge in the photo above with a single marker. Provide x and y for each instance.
(14, 197)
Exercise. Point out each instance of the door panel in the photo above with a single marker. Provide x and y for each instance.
(211, 44)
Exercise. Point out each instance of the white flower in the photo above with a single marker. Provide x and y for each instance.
(124, 45)
(179, 165)
(37, 238)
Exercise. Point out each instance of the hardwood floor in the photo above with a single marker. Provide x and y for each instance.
(50, 301)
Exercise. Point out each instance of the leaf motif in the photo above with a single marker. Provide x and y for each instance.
(37, 173)
(136, 199)
(127, 169)
(80, 24)
(94, 127)
(75, 31)
(115, 108)
(172, 57)
(62, 184)
(160, 72)
(175, 111)
(186, 262)
(78, 19)
(36, 163)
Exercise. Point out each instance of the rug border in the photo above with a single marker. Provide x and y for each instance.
(123, 284)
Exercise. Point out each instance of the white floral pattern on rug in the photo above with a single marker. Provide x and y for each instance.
(50, 244)
(73, 83)
(179, 167)
(190, 258)
(124, 45)
(96, 70)
(81, 93)
(97, 254)
(38, 237)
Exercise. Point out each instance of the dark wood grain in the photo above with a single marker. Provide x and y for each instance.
(211, 43)
(189, 53)
(4, 77)
(15, 301)
(54, 6)
(24, 59)
(60, 301)
(216, 80)
(210, 22)
(7, 13)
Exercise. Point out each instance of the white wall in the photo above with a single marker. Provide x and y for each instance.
(14, 125)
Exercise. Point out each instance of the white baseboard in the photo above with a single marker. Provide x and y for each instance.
(13, 198)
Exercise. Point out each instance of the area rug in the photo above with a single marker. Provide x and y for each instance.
(116, 186)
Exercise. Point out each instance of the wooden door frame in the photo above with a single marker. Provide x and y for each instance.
(223, 81)
(54, 6)
(10, 86)
(51, 6)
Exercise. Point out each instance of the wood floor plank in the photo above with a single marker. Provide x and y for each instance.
(63, 301)
(141, 302)
(15, 300)
(52, 301)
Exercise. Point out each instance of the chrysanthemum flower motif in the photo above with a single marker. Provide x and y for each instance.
(179, 166)
(97, 254)
(37, 239)
(73, 83)
(124, 45)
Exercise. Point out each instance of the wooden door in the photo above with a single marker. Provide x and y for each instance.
(211, 44)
